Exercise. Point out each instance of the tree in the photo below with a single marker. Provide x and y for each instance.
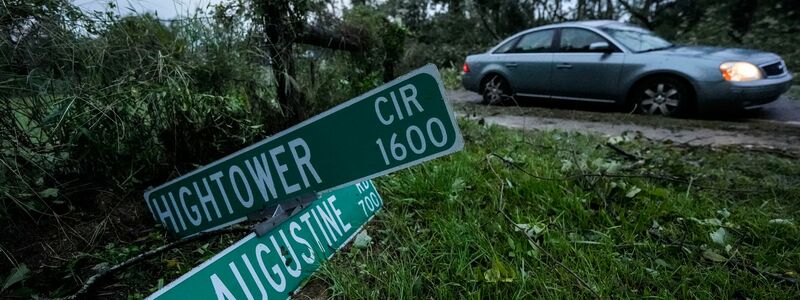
(284, 23)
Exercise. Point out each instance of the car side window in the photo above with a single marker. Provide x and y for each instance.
(535, 42)
(578, 40)
(505, 48)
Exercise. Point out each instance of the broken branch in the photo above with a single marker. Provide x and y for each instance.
(87, 287)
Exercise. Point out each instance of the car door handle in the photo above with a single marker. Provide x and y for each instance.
(511, 65)
(563, 66)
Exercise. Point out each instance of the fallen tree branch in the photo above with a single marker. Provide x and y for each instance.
(486, 24)
(352, 41)
(88, 286)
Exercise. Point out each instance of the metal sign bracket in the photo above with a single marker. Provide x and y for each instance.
(280, 213)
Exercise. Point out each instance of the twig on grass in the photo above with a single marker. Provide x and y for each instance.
(87, 287)
(553, 258)
(754, 270)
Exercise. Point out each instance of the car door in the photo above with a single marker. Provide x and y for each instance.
(528, 62)
(581, 73)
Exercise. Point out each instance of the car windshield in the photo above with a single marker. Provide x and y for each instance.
(637, 39)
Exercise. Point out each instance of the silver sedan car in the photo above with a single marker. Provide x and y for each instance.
(613, 62)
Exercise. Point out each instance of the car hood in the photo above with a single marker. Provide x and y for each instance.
(720, 54)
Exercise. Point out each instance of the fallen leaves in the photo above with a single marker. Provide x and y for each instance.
(719, 236)
(713, 256)
(532, 231)
(788, 222)
(363, 240)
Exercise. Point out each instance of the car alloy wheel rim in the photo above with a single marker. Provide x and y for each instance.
(494, 91)
(663, 99)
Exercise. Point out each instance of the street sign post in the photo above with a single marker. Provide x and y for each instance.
(273, 265)
(399, 124)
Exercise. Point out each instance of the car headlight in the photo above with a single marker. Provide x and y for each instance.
(740, 71)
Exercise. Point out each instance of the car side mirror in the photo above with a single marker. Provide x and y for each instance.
(600, 46)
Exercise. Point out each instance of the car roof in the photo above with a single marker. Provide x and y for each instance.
(585, 24)
(591, 23)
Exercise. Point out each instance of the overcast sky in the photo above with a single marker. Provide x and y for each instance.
(166, 9)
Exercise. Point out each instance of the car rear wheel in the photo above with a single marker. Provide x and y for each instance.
(664, 96)
(496, 90)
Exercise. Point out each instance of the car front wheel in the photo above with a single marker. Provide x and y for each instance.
(662, 96)
(496, 90)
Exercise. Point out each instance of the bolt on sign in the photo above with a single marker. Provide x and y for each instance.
(273, 265)
(397, 125)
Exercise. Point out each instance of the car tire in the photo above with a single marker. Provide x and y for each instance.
(495, 90)
(666, 96)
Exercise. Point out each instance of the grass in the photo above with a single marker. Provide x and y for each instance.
(528, 214)
(444, 231)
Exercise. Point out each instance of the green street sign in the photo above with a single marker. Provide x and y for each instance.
(397, 125)
(275, 264)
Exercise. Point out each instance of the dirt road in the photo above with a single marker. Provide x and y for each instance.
(774, 127)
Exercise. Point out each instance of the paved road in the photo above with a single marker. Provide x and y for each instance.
(774, 126)
(782, 110)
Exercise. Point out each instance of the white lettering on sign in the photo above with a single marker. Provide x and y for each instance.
(209, 197)
(413, 140)
(370, 202)
(279, 245)
(408, 94)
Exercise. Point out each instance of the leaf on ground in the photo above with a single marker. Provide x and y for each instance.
(633, 192)
(49, 193)
(713, 256)
(656, 226)
(530, 230)
(17, 274)
(171, 263)
(613, 167)
(724, 213)
(616, 139)
(719, 236)
(499, 273)
(566, 165)
(458, 186)
(363, 240)
(491, 275)
(782, 221)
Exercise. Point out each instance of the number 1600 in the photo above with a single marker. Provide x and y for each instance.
(416, 140)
